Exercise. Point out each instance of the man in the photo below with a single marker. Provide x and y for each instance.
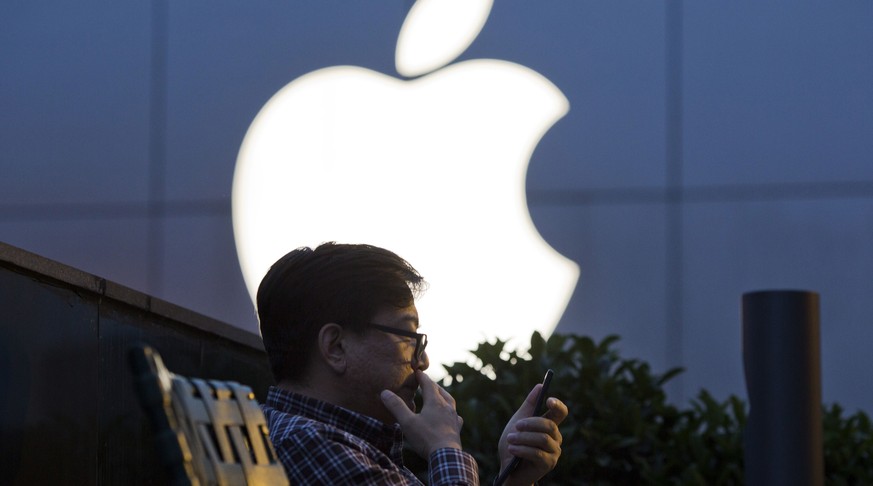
(339, 324)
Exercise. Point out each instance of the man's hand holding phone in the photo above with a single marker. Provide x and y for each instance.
(533, 438)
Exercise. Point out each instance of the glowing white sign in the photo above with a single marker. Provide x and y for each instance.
(432, 169)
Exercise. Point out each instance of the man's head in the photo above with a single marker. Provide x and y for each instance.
(345, 285)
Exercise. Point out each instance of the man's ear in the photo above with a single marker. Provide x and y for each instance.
(331, 347)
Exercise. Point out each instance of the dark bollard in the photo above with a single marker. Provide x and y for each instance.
(783, 436)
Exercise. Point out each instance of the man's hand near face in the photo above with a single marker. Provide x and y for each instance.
(437, 426)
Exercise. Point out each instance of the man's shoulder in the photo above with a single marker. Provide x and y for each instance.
(287, 427)
(286, 423)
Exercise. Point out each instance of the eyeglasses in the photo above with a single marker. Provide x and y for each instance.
(420, 339)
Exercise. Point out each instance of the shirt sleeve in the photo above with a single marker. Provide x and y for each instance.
(452, 467)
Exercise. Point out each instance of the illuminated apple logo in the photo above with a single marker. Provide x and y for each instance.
(432, 168)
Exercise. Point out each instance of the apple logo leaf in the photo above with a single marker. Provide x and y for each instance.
(437, 31)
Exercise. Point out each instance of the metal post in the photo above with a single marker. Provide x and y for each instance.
(783, 436)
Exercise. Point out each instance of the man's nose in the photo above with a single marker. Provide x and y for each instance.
(424, 362)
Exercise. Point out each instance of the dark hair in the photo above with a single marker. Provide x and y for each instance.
(339, 283)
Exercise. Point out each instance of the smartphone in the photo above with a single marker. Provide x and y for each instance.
(543, 394)
(539, 409)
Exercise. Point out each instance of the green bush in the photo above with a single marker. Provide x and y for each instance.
(621, 428)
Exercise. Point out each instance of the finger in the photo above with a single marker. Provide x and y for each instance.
(538, 425)
(536, 440)
(530, 403)
(531, 399)
(446, 396)
(557, 410)
(428, 387)
(396, 406)
(537, 456)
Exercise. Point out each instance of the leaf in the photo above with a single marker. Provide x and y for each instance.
(437, 31)
(669, 375)
(537, 345)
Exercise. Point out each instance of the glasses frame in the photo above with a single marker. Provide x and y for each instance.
(420, 339)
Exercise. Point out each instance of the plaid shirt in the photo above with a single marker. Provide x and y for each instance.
(320, 443)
